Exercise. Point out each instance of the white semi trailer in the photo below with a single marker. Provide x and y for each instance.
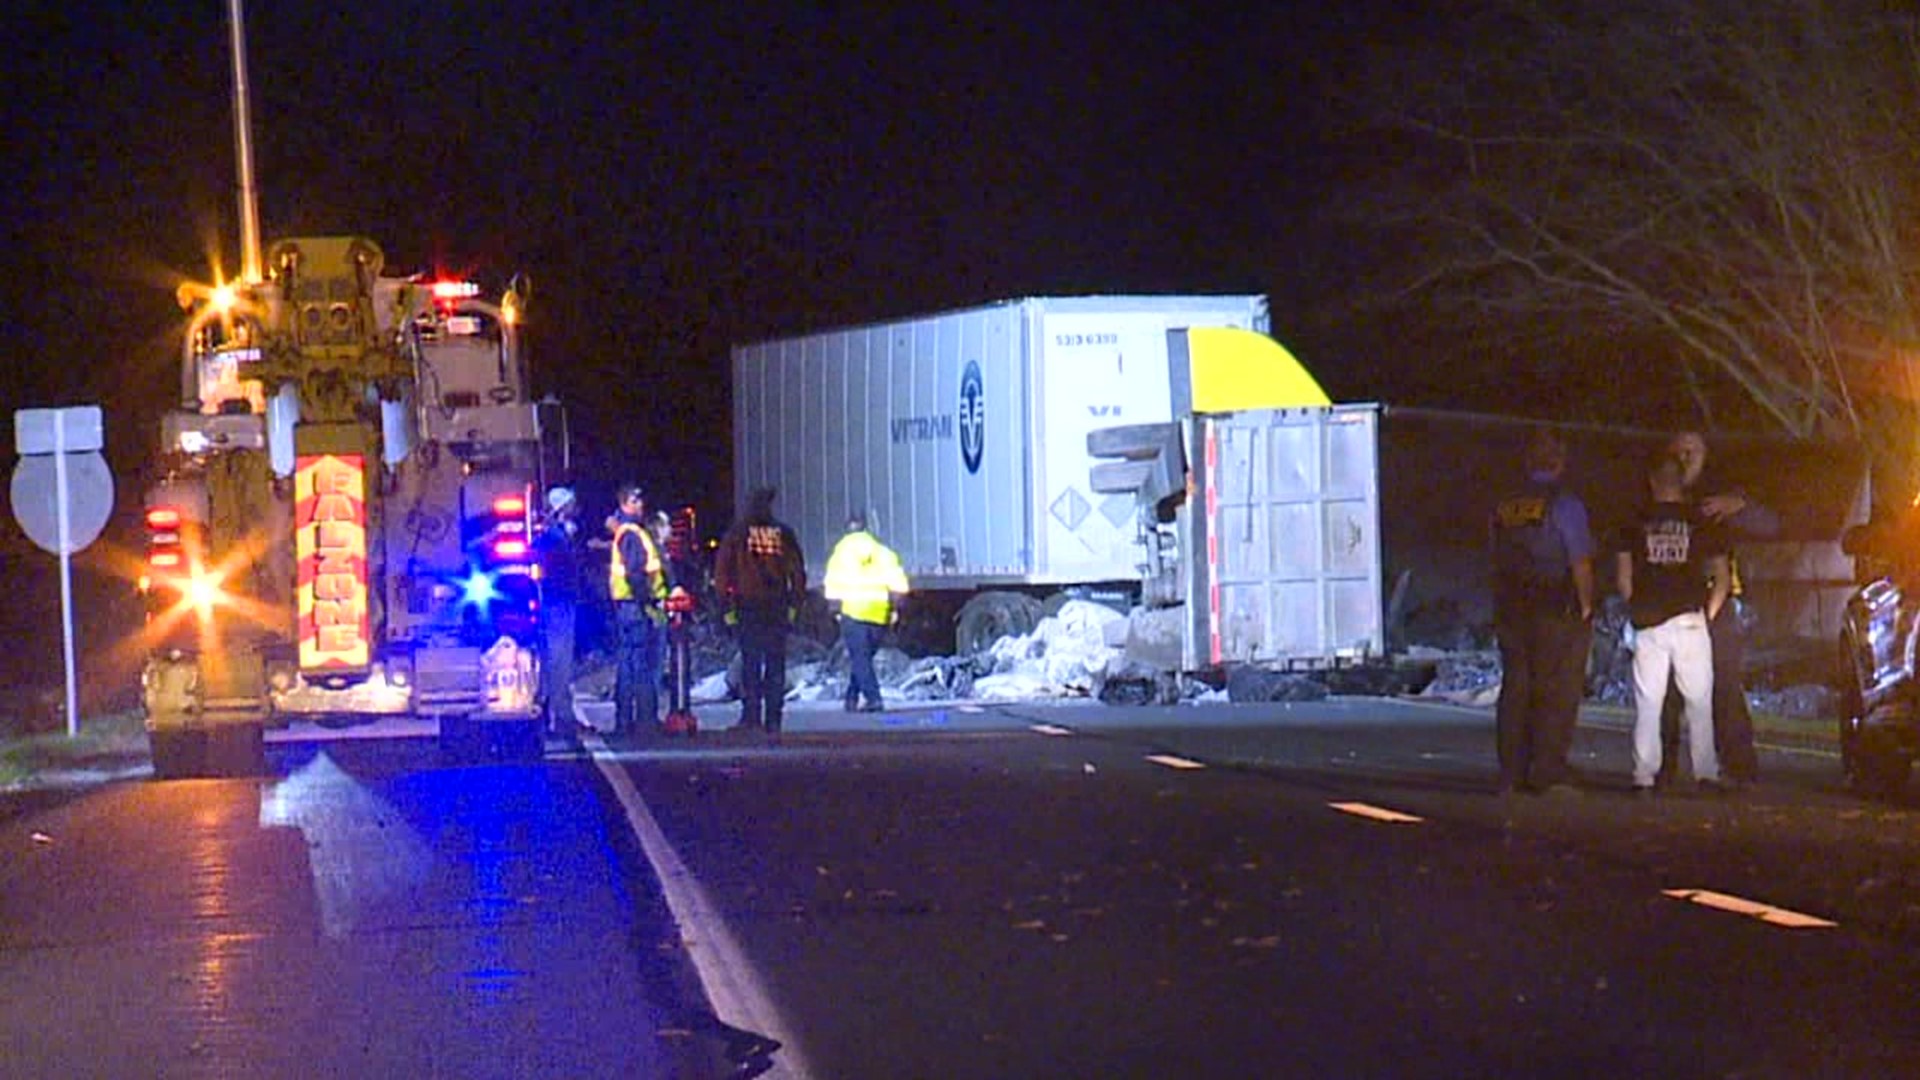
(979, 444)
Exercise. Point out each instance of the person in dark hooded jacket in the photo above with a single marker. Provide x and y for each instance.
(761, 576)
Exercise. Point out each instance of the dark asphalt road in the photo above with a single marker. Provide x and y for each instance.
(955, 902)
(1024, 891)
(365, 912)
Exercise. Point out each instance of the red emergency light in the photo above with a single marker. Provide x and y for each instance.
(509, 506)
(454, 290)
(164, 541)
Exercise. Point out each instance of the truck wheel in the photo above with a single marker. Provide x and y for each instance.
(990, 616)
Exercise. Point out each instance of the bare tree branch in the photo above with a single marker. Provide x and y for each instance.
(1735, 178)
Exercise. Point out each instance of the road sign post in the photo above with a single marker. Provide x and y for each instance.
(62, 496)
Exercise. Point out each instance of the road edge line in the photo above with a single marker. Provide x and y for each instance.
(732, 986)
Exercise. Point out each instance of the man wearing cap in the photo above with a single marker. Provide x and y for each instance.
(558, 545)
(863, 577)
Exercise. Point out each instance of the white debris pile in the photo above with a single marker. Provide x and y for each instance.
(1067, 655)
(1466, 678)
(1071, 654)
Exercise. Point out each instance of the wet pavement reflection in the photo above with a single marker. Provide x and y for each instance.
(369, 909)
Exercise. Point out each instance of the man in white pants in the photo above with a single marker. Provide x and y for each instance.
(1671, 568)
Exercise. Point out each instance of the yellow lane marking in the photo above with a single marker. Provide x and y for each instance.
(1377, 813)
(1778, 916)
(1173, 762)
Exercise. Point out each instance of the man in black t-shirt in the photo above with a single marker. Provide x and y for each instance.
(1739, 518)
(1660, 561)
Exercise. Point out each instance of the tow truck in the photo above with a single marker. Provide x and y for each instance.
(341, 529)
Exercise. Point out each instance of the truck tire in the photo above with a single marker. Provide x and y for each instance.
(990, 616)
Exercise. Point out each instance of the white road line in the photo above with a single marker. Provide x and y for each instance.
(1172, 762)
(731, 984)
(1778, 916)
(1377, 813)
(1051, 729)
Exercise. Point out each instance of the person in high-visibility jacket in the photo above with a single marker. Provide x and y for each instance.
(637, 584)
(863, 578)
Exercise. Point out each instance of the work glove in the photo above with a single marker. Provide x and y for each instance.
(793, 615)
(732, 617)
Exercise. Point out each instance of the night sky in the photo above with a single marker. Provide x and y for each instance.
(675, 179)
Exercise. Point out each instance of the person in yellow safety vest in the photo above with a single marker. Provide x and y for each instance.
(637, 584)
(863, 578)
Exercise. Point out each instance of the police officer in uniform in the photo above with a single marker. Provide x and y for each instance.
(761, 576)
(637, 585)
(1542, 554)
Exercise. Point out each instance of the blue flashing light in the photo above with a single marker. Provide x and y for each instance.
(478, 589)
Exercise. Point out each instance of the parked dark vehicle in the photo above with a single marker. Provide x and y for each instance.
(1879, 661)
